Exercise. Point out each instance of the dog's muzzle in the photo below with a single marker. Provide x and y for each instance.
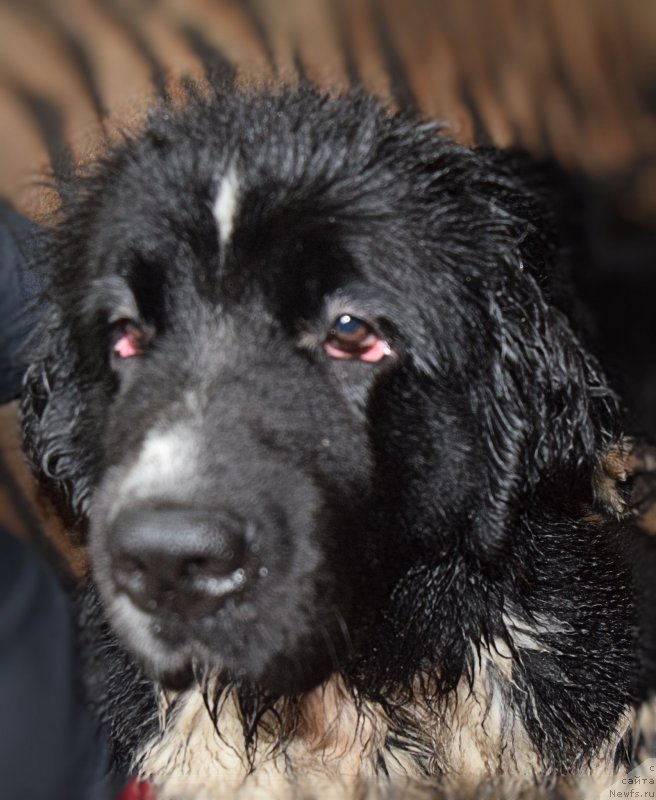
(181, 560)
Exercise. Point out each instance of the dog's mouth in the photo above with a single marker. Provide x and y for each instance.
(242, 641)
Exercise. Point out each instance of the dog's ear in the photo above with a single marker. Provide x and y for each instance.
(545, 406)
(58, 423)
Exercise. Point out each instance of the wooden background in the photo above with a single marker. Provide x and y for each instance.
(570, 78)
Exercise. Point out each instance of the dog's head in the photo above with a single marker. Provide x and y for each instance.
(298, 348)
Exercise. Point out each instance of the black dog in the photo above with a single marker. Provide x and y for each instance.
(310, 382)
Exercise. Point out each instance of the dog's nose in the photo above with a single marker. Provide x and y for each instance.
(182, 560)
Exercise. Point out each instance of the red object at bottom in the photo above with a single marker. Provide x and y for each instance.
(138, 790)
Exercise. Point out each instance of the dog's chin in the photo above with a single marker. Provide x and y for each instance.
(176, 680)
(279, 676)
(174, 658)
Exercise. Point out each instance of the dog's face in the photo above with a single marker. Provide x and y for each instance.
(307, 357)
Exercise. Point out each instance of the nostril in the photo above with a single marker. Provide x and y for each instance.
(197, 567)
(223, 558)
(215, 576)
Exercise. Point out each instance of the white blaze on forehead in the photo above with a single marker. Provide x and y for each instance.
(225, 205)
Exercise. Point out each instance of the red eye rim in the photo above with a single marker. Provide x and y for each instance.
(129, 338)
(353, 339)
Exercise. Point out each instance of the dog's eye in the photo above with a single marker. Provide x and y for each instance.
(352, 338)
(129, 338)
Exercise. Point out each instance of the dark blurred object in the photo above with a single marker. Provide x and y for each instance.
(49, 745)
(50, 748)
(617, 281)
(20, 287)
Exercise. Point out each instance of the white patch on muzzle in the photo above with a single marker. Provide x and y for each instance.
(165, 469)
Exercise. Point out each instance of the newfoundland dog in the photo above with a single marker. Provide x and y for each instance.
(311, 384)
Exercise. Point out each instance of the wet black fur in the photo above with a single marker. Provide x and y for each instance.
(459, 474)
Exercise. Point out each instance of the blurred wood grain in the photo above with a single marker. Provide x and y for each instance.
(574, 80)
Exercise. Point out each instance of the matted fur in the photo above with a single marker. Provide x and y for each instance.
(339, 746)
